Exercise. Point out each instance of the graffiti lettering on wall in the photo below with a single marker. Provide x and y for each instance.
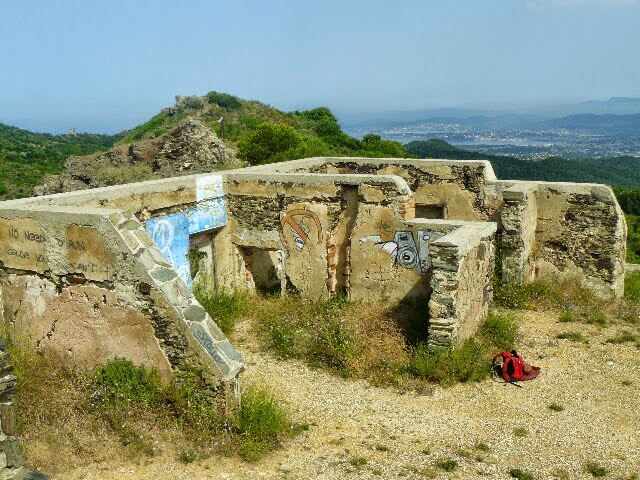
(403, 249)
(171, 232)
(305, 229)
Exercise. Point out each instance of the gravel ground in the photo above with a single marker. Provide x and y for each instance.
(364, 432)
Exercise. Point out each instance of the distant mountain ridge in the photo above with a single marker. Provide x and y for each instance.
(612, 106)
(609, 123)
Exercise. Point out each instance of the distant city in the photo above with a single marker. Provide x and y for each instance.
(589, 129)
(520, 143)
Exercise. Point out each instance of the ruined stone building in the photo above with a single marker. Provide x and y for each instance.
(97, 273)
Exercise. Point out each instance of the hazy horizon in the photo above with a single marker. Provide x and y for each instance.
(104, 68)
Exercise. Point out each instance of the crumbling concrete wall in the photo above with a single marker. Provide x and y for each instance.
(92, 274)
(454, 189)
(311, 221)
(581, 230)
(88, 286)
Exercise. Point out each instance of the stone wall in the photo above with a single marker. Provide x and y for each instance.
(581, 228)
(518, 219)
(462, 266)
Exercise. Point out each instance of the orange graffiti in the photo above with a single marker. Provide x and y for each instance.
(300, 230)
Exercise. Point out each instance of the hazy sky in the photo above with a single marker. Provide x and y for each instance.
(104, 66)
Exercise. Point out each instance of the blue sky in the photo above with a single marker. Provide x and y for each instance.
(108, 66)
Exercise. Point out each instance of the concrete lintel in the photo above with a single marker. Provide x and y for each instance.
(269, 240)
(467, 236)
(324, 179)
(435, 224)
(519, 191)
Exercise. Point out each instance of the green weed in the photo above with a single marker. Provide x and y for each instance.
(500, 330)
(596, 470)
(358, 462)
(482, 446)
(624, 337)
(448, 465)
(573, 336)
(520, 432)
(520, 475)
(119, 382)
(556, 407)
(632, 287)
(260, 421)
(567, 316)
(449, 365)
(224, 306)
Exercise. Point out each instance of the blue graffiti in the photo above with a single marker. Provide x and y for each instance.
(171, 232)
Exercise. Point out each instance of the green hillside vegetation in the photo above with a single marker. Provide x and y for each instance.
(25, 157)
(263, 134)
(629, 200)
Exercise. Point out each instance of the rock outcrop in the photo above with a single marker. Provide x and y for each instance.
(190, 148)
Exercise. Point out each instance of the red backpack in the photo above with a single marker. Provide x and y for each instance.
(512, 365)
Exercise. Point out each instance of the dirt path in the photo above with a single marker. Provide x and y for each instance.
(406, 435)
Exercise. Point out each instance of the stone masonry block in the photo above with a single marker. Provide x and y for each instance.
(131, 240)
(8, 419)
(144, 237)
(12, 449)
(194, 313)
(146, 259)
(171, 291)
(158, 256)
(206, 340)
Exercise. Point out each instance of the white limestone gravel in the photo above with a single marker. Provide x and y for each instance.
(406, 435)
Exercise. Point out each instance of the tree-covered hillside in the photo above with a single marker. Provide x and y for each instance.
(25, 157)
(259, 133)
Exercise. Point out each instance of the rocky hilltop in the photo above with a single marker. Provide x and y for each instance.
(189, 148)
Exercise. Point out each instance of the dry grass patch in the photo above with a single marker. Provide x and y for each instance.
(123, 413)
(382, 342)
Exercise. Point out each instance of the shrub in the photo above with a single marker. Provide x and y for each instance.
(501, 330)
(596, 470)
(260, 420)
(223, 100)
(270, 143)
